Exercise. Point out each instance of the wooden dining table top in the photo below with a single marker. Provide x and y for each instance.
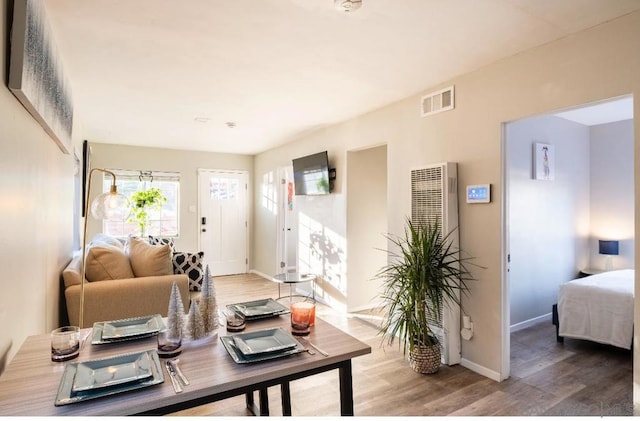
(29, 384)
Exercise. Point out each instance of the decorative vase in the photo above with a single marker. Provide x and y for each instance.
(425, 359)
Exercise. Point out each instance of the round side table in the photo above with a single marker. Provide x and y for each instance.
(292, 279)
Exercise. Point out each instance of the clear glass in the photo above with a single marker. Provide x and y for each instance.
(65, 343)
(236, 320)
(301, 313)
(169, 345)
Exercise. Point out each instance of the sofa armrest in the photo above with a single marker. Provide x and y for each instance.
(123, 298)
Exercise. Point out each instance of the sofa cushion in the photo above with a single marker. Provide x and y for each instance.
(157, 241)
(106, 262)
(149, 260)
(190, 264)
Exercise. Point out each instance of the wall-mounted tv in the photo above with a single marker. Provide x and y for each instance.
(311, 174)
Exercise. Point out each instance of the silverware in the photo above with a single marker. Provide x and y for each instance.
(172, 375)
(315, 347)
(183, 378)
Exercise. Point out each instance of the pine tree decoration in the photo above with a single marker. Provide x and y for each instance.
(175, 314)
(195, 328)
(208, 306)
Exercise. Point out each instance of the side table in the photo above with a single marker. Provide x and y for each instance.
(292, 279)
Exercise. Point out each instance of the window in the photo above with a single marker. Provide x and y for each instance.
(162, 223)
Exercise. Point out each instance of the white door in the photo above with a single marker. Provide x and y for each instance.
(287, 256)
(223, 220)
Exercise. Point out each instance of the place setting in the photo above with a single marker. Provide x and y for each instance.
(271, 343)
(107, 376)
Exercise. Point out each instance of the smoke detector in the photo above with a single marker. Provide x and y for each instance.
(347, 5)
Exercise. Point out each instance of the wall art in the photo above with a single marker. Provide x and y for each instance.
(543, 161)
(36, 75)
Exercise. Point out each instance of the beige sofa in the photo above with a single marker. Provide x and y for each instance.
(114, 290)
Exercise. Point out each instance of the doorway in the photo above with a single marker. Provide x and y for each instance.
(223, 220)
(287, 223)
(552, 225)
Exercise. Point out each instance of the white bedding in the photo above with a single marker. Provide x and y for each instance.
(598, 308)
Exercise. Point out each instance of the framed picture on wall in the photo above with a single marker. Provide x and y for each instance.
(543, 161)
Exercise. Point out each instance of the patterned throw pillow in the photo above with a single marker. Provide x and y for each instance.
(191, 264)
(158, 241)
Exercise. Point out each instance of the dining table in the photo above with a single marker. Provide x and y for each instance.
(31, 381)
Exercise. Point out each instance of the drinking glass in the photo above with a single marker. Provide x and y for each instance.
(301, 313)
(65, 343)
(169, 343)
(236, 320)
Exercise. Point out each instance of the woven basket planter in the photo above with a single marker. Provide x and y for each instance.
(425, 359)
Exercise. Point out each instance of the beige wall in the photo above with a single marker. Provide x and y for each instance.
(600, 63)
(186, 163)
(36, 217)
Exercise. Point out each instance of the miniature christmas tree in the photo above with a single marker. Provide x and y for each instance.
(208, 305)
(175, 314)
(195, 328)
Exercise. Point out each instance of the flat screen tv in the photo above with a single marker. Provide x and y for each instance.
(311, 174)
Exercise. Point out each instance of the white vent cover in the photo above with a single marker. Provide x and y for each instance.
(434, 200)
(437, 101)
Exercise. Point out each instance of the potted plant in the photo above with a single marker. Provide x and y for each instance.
(144, 201)
(423, 275)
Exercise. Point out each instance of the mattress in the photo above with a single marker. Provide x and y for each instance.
(598, 308)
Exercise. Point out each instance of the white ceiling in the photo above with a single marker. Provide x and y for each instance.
(601, 113)
(171, 74)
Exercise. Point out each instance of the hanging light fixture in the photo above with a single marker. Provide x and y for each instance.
(347, 5)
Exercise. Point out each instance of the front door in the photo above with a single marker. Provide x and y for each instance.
(223, 220)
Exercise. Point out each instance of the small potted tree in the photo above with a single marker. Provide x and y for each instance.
(142, 202)
(423, 275)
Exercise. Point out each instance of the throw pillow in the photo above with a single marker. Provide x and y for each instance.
(105, 262)
(157, 241)
(148, 260)
(191, 264)
(101, 239)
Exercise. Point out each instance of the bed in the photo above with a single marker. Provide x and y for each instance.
(597, 308)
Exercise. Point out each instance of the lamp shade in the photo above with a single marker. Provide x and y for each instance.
(111, 206)
(608, 247)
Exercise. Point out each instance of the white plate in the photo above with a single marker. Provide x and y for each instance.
(66, 395)
(263, 341)
(261, 308)
(110, 372)
(136, 326)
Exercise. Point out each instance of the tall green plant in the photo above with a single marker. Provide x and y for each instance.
(424, 274)
(143, 202)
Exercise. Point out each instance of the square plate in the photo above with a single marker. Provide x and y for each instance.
(263, 341)
(66, 395)
(146, 326)
(259, 309)
(135, 326)
(240, 358)
(105, 373)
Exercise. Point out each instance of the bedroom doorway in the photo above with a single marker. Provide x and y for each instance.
(553, 220)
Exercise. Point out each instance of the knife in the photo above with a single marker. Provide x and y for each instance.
(172, 375)
(181, 376)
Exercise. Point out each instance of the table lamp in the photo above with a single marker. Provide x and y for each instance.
(608, 248)
(109, 205)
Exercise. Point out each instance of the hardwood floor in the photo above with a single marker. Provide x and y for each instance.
(574, 378)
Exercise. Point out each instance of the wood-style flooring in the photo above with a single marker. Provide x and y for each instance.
(575, 378)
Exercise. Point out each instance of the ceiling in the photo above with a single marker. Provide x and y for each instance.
(173, 74)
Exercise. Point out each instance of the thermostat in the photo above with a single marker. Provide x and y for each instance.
(479, 193)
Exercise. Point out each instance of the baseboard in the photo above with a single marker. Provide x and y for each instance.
(493, 375)
(257, 272)
(530, 322)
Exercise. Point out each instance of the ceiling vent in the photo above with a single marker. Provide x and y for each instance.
(347, 5)
(437, 101)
